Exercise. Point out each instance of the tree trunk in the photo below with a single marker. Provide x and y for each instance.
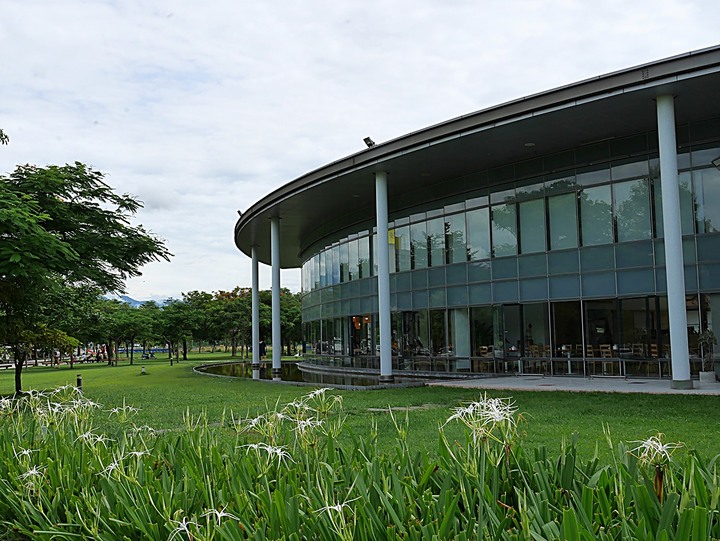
(185, 349)
(177, 352)
(132, 351)
(234, 346)
(19, 361)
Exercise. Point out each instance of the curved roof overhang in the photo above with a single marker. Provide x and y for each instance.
(326, 200)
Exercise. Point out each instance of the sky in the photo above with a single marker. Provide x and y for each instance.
(200, 109)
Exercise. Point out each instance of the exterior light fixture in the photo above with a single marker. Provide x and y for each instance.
(369, 142)
(716, 162)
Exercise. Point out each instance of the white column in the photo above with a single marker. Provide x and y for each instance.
(383, 277)
(275, 260)
(255, 316)
(675, 274)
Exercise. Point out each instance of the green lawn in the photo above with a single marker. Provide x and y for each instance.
(166, 392)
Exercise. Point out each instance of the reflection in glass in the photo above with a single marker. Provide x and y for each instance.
(706, 185)
(436, 242)
(418, 246)
(532, 226)
(323, 267)
(478, 234)
(455, 238)
(562, 211)
(402, 248)
(567, 327)
(632, 210)
(504, 230)
(344, 259)
(686, 205)
(482, 331)
(596, 216)
(335, 262)
(438, 340)
(352, 259)
(363, 257)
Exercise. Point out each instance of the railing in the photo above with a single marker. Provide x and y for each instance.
(515, 365)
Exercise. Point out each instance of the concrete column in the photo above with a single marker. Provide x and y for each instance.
(275, 260)
(672, 228)
(383, 277)
(255, 316)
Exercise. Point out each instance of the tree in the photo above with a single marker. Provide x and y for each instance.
(290, 318)
(63, 223)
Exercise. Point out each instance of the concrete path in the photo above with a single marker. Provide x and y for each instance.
(571, 384)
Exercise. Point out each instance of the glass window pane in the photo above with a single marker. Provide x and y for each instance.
(335, 272)
(706, 184)
(364, 257)
(504, 230)
(316, 271)
(636, 281)
(481, 327)
(596, 216)
(478, 233)
(418, 246)
(344, 259)
(632, 210)
(323, 275)
(438, 344)
(402, 248)
(686, 205)
(436, 242)
(562, 210)
(532, 226)
(455, 238)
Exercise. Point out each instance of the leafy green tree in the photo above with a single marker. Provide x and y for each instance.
(175, 326)
(200, 320)
(290, 318)
(63, 223)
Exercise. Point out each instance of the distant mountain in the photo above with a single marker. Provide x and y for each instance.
(132, 302)
(129, 300)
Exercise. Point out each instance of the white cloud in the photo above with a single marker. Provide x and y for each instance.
(200, 109)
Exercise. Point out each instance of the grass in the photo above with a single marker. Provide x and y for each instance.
(165, 393)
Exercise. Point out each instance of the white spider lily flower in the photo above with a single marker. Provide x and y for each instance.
(318, 392)
(137, 454)
(6, 404)
(124, 409)
(85, 403)
(653, 450)
(303, 425)
(183, 527)
(24, 452)
(273, 451)
(35, 471)
(145, 428)
(110, 468)
(89, 437)
(220, 514)
(337, 507)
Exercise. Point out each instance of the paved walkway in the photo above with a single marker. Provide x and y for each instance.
(597, 384)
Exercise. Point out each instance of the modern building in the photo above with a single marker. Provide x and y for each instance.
(575, 231)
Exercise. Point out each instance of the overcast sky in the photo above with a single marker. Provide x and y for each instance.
(201, 108)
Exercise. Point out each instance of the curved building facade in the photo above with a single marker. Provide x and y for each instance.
(576, 231)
